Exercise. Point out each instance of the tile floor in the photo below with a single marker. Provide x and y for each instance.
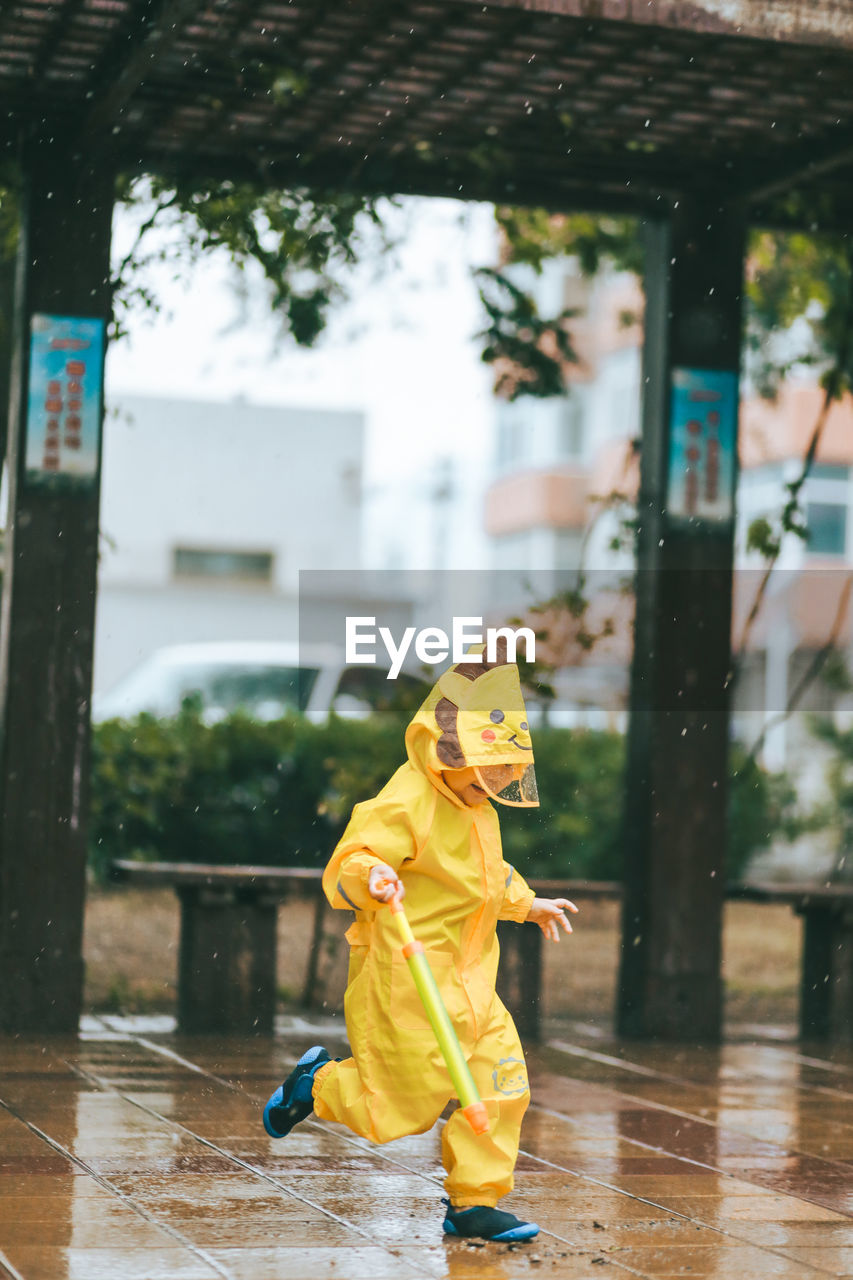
(130, 1154)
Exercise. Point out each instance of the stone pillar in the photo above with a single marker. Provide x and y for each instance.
(676, 780)
(49, 579)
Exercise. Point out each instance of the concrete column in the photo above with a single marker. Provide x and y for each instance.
(676, 782)
(49, 588)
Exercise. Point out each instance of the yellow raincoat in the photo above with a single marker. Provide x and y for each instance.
(448, 855)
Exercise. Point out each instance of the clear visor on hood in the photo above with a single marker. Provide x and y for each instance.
(513, 784)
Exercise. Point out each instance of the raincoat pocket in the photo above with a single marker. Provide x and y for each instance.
(407, 1010)
(358, 934)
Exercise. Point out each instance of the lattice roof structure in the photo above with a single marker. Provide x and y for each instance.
(507, 100)
(552, 101)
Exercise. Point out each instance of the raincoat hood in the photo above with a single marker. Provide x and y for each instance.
(475, 717)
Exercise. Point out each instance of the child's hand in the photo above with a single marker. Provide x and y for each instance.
(549, 914)
(383, 884)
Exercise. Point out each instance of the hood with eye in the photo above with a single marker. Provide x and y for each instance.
(484, 721)
(475, 716)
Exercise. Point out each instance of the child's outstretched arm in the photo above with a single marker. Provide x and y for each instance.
(378, 838)
(351, 879)
(550, 915)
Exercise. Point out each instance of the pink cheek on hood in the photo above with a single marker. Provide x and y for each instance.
(488, 735)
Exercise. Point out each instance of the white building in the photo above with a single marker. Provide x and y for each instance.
(208, 513)
(804, 608)
(554, 457)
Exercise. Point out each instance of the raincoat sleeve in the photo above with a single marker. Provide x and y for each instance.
(518, 896)
(377, 833)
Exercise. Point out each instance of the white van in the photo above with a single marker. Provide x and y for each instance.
(267, 680)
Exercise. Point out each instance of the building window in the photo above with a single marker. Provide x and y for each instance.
(829, 471)
(504, 442)
(567, 548)
(827, 525)
(513, 550)
(624, 412)
(570, 437)
(764, 473)
(234, 566)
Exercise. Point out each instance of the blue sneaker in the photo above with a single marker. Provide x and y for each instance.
(292, 1101)
(486, 1223)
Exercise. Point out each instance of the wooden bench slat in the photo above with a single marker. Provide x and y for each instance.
(269, 879)
(176, 874)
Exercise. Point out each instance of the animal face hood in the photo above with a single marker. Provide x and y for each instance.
(475, 717)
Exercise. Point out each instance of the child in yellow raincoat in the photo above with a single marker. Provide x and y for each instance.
(432, 833)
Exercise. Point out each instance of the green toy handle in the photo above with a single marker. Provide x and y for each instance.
(472, 1105)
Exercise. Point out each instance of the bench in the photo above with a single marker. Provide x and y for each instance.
(227, 978)
(826, 968)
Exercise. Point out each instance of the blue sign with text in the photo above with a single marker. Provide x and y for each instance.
(65, 399)
(702, 445)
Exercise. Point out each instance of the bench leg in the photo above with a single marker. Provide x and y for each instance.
(227, 963)
(826, 996)
(520, 977)
(312, 990)
(841, 1015)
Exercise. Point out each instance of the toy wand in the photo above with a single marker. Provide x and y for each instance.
(472, 1105)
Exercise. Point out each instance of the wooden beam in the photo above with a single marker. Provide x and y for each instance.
(820, 22)
(573, 187)
(803, 167)
(143, 48)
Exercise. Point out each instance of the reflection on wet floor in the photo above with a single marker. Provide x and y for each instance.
(134, 1155)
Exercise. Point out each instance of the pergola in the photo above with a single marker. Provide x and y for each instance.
(590, 103)
(699, 117)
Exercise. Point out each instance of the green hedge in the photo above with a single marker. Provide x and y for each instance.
(279, 794)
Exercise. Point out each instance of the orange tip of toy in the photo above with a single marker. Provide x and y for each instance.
(477, 1116)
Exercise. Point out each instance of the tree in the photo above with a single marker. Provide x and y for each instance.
(305, 243)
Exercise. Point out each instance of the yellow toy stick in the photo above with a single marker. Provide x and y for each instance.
(472, 1105)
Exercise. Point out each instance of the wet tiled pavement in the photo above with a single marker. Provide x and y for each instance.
(131, 1155)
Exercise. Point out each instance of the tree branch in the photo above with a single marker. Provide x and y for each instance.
(811, 672)
(834, 387)
(161, 206)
